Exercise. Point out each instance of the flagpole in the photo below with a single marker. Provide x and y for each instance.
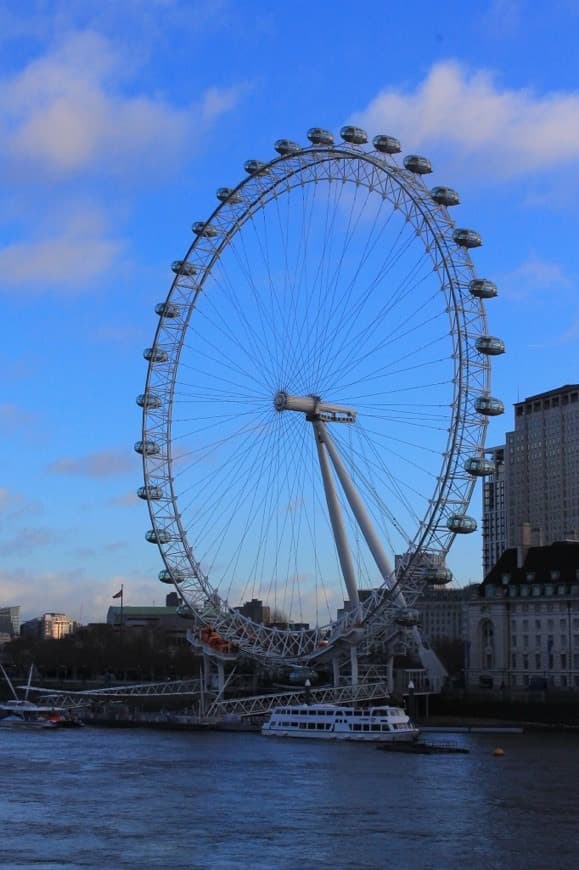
(122, 594)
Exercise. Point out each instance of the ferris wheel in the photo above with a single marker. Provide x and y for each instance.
(317, 397)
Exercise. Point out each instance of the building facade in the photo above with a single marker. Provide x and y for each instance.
(542, 468)
(9, 623)
(532, 495)
(50, 626)
(494, 510)
(523, 626)
(444, 615)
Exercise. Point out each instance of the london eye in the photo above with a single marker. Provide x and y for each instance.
(317, 397)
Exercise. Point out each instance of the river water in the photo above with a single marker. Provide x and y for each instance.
(135, 798)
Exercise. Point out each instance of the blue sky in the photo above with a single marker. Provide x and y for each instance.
(117, 124)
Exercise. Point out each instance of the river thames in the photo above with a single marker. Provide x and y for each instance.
(135, 798)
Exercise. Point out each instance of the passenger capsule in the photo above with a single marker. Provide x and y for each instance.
(319, 136)
(407, 618)
(158, 536)
(184, 611)
(467, 238)
(147, 448)
(204, 230)
(489, 406)
(254, 166)
(478, 466)
(155, 354)
(166, 309)
(166, 576)
(150, 492)
(461, 524)
(483, 289)
(149, 401)
(354, 135)
(418, 165)
(437, 576)
(286, 146)
(227, 194)
(445, 196)
(182, 267)
(490, 345)
(386, 144)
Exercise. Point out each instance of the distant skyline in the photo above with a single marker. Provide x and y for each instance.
(117, 124)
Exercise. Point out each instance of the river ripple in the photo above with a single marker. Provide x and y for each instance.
(134, 798)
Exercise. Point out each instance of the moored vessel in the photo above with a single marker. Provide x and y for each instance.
(331, 722)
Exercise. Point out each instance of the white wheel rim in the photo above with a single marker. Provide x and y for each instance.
(332, 272)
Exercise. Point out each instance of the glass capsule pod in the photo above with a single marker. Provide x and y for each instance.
(354, 135)
(386, 144)
(467, 238)
(182, 267)
(418, 165)
(286, 146)
(149, 401)
(490, 345)
(483, 289)
(407, 618)
(166, 576)
(227, 194)
(461, 524)
(445, 196)
(155, 354)
(166, 309)
(437, 576)
(150, 492)
(319, 136)
(478, 466)
(204, 230)
(253, 166)
(147, 448)
(185, 611)
(489, 406)
(158, 536)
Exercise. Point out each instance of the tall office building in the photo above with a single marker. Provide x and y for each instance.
(9, 623)
(532, 497)
(542, 468)
(494, 512)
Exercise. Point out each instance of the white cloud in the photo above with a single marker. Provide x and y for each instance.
(503, 18)
(14, 505)
(13, 418)
(71, 262)
(532, 278)
(103, 463)
(66, 113)
(506, 132)
(29, 540)
(86, 599)
(67, 252)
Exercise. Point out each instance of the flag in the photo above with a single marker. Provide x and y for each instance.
(119, 593)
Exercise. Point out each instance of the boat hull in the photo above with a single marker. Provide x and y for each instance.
(404, 737)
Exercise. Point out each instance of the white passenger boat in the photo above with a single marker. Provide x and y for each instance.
(330, 722)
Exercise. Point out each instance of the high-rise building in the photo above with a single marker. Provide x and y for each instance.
(532, 496)
(542, 468)
(9, 623)
(494, 515)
